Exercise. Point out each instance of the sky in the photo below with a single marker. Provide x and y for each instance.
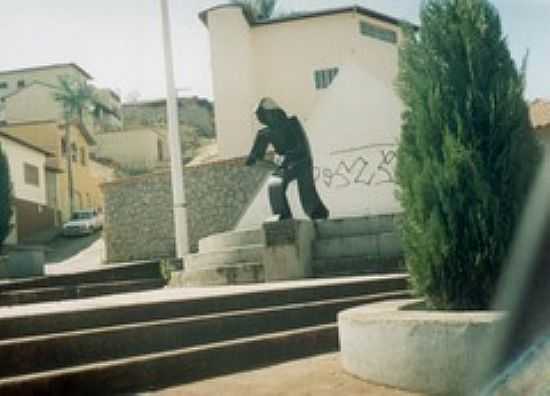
(119, 42)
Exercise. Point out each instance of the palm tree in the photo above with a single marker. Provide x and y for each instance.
(258, 10)
(76, 99)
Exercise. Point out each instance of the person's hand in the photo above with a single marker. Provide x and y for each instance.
(250, 161)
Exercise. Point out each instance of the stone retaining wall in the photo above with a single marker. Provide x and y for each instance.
(138, 210)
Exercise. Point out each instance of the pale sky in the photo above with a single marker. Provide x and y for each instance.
(119, 41)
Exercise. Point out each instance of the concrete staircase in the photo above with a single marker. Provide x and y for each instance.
(110, 280)
(340, 247)
(230, 258)
(361, 245)
(130, 346)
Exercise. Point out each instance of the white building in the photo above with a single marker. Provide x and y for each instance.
(336, 71)
(27, 165)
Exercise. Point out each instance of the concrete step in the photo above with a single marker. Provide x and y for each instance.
(384, 245)
(111, 273)
(73, 317)
(163, 369)
(354, 226)
(235, 274)
(31, 296)
(54, 351)
(231, 239)
(247, 254)
(353, 266)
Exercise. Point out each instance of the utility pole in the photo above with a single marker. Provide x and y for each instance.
(176, 163)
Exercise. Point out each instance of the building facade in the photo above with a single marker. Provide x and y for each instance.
(50, 136)
(336, 71)
(27, 164)
(138, 149)
(26, 95)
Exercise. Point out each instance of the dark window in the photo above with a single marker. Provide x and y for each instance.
(377, 32)
(83, 156)
(63, 146)
(32, 175)
(20, 83)
(3, 85)
(74, 152)
(160, 150)
(323, 78)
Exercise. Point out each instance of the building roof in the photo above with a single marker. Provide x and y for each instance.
(25, 143)
(314, 14)
(45, 67)
(539, 111)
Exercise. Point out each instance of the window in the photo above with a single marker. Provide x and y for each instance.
(160, 150)
(74, 152)
(83, 156)
(32, 175)
(323, 78)
(63, 146)
(377, 32)
(3, 85)
(20, 83)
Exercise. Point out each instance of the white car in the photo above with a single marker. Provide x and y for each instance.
(83, 222)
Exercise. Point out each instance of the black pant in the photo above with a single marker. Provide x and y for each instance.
(302, 172)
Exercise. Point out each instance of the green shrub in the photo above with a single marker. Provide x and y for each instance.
(467, 154)
(6, 211)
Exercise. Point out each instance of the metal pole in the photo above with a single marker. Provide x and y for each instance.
(176, 164)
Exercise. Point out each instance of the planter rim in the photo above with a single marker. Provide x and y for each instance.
(397, 311)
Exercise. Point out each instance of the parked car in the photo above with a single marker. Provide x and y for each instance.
(83, 222)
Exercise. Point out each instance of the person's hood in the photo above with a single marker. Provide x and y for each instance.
(269, 112)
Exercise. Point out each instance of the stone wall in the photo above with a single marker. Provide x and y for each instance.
(138, 210)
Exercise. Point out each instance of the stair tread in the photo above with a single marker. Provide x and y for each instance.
(159, 355)
(220, 316)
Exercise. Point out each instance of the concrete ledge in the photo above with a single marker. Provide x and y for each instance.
(433, 352)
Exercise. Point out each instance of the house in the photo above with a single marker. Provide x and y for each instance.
(26, 95)
(193, 111)
(27, 164)
(50, 135)
(335, 70)
(138, 149)
(540, 118)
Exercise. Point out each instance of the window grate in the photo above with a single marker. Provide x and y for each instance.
(323, 78)
(377, 32)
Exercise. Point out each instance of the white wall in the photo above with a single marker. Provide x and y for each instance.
(18, 155)
(279, 60)
(136, 148)
(353, 133)
(232, 78)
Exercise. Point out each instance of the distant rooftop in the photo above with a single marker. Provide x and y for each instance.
(312, 14)
(539, 111)
(45, 67)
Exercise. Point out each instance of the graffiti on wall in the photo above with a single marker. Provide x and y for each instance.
(368, 166)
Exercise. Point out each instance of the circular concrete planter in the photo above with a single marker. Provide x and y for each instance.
(434, 352)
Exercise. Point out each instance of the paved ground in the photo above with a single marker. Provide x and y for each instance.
(317, 376)
(74, 254)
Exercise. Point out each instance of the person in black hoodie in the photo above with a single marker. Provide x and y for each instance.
(289, 140)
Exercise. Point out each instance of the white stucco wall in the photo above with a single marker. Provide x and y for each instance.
(232, 78)
(136, 148)
(18, 155)
(353, 135)
(279, 60)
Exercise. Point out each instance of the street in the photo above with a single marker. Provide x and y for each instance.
(74, 254)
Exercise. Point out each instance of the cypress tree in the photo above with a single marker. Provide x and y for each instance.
(5, 199)
(467, 155)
